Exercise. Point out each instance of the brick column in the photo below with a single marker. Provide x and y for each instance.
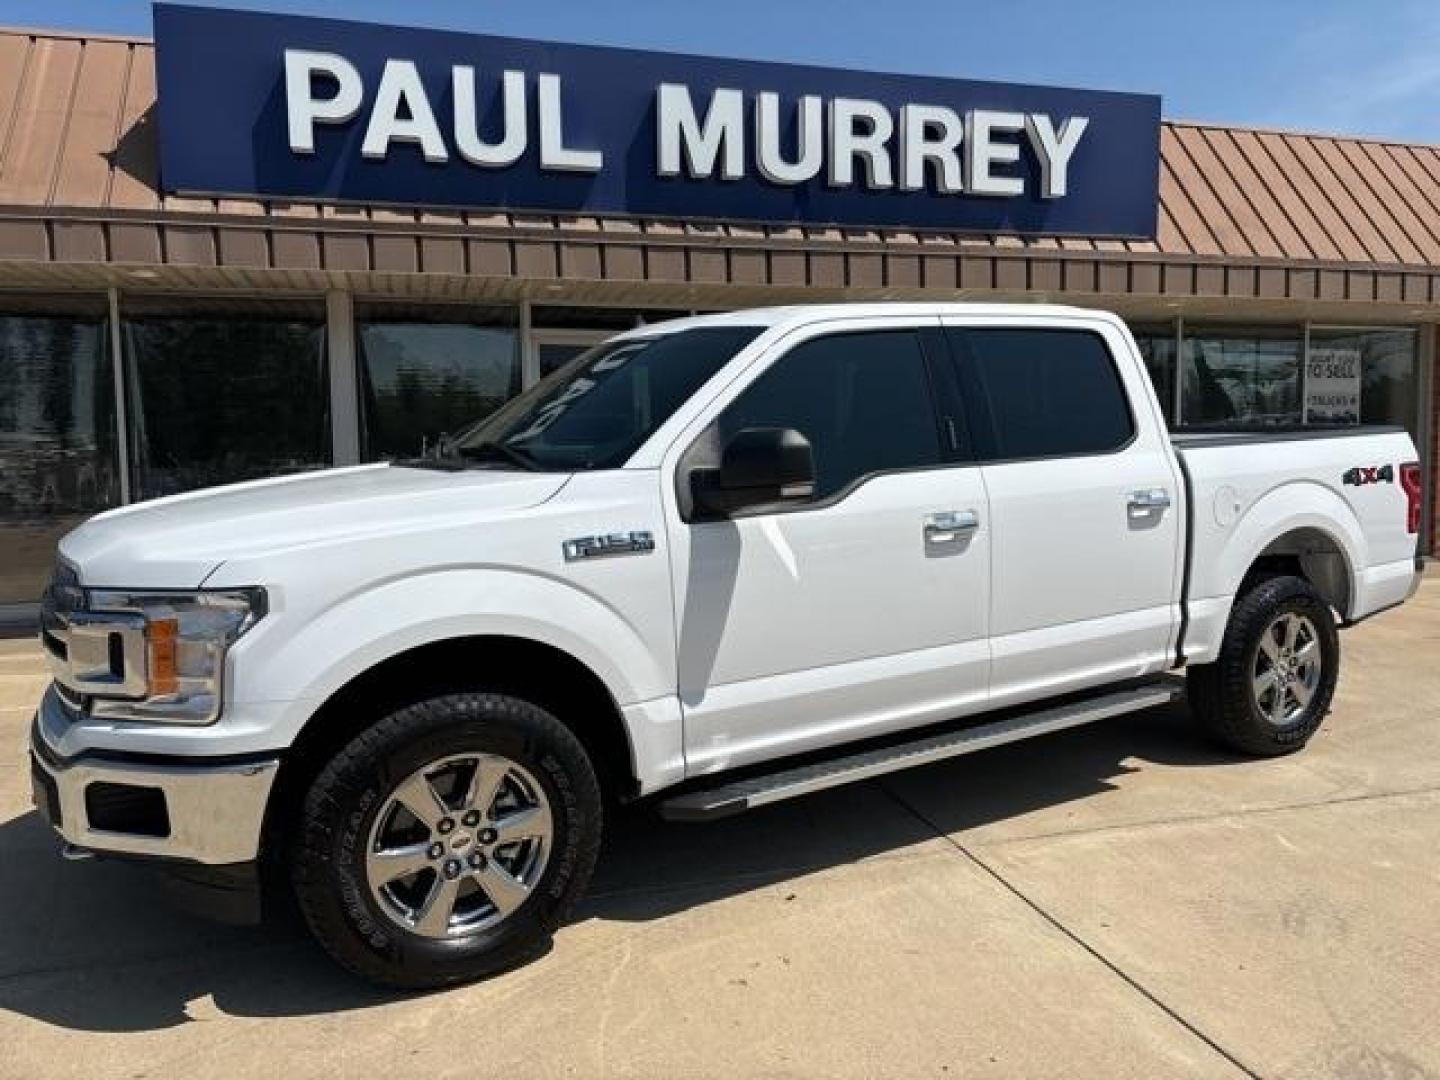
(1431, 467)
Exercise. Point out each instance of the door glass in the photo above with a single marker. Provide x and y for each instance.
(863, 400)
(1050, 393)
(57, 435)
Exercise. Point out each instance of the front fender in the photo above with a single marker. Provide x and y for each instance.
(308, 663)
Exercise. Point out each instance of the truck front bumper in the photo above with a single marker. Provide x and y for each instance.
(205, 811)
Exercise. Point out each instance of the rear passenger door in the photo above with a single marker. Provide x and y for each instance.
(1085, 508)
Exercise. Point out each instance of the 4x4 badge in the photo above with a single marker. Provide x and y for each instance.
(1370, 474)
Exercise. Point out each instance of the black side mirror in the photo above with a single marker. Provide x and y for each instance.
(758, 467)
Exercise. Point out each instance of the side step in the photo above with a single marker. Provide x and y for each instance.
(741, 795)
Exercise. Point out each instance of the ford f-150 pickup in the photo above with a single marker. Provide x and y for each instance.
(715, 562)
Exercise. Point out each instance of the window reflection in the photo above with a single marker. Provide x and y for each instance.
(1157, 349)
(57, 437)
(225, 392)
(1389, 385)
(1241, 378)
(430, 374)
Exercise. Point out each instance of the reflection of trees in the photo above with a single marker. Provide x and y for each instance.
(57, 445)
(1214, 401)
(424, 380)
(220, 400)
(1243, 381)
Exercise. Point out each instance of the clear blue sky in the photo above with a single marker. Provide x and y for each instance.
(1353, 66)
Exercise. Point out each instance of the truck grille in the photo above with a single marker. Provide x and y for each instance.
(91, 653)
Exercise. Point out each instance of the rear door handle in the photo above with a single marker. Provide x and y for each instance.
(950, 526)
(1148, 501)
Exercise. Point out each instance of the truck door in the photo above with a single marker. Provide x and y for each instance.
(860, 610)
(1085, 507)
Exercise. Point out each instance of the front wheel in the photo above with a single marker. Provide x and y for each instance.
(448, 841)
(1269, 689)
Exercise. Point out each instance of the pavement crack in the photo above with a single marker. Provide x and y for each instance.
(1219, 815)
(1040, 910)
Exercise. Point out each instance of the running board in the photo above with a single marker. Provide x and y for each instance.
(741, 795)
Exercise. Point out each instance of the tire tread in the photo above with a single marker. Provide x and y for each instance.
(314, 839)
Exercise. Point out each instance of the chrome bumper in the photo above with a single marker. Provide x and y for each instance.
(213, 811)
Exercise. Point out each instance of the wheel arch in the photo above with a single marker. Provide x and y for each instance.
(524, 667)
(1301, 528)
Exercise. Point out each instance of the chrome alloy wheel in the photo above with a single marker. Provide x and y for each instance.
(458, 845)
(1288, 666)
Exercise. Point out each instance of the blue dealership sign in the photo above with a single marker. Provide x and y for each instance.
(301, 108)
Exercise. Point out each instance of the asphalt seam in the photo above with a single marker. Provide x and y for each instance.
(1074, 937)
(1201, 819)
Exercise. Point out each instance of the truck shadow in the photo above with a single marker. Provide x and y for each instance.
(94, 946)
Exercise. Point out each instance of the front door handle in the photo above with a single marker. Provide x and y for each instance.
(1148, 501)
(950, 526)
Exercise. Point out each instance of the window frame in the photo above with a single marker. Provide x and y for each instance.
(951, 428)
(976, 401)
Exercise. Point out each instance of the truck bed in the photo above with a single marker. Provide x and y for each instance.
(1334, 497)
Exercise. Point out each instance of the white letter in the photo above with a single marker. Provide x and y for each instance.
(917, 146)
(809, 140)
(1054, 151)
(467, 129)
(400, 85)
(554, 154)
(981, 152)
(303, 110)
(860, 128)
(680, 134)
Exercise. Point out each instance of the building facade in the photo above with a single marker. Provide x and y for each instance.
(154, 342)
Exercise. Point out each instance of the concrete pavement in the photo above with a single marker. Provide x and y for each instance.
(1115, 901)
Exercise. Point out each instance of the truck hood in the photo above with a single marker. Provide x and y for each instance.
(179, 541)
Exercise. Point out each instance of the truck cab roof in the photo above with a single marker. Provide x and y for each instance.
(800, 314)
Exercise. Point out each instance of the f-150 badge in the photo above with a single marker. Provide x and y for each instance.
(595, 547)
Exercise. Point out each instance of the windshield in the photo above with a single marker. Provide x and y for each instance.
(597, 410)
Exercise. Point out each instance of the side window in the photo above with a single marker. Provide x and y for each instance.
(1049, 393)
(863, 400)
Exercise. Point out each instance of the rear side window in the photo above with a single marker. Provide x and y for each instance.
(863, 400)
(1048, 393)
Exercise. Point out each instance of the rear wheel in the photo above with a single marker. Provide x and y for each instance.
(1269, 690)
(448, 841)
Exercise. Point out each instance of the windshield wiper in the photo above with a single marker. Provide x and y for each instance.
(499, 450)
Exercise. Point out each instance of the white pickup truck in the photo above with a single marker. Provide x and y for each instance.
(720, 562)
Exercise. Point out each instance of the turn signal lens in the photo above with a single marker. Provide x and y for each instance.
(1410, 484)
(160, 640)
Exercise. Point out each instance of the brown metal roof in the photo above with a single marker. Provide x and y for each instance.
(1355, 218)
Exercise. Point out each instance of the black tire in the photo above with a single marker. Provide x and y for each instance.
(327, 858)
(1221, 694)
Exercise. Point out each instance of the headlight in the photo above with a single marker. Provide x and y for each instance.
(186, 636)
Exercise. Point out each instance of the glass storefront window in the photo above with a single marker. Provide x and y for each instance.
(1157, 349)
(1377, 366)
(1247, 377)
(221, 391)
(57, 433)
(427, 373)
